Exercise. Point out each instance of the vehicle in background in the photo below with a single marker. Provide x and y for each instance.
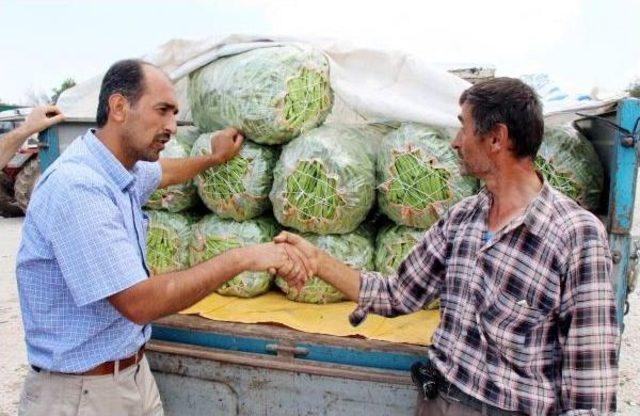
(18, 178)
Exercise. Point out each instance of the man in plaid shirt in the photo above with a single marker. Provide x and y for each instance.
(528, 323)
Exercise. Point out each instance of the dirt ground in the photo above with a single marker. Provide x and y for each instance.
(13, 362)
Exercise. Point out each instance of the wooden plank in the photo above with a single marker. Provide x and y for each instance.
(276, 332)
(279, 364)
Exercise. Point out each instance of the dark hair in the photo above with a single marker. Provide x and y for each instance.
(512, 102)
(125, 77)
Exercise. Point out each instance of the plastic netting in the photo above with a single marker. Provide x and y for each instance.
(187, 135)
(419, 175)
(270, 94)
(238, 189)
(570, 164)
(213, 235)
(174, 198)
(324, 181)
(393, 245)
(355, 249)
(167, 241)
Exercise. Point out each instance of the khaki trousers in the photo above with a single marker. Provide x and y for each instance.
(132, 391)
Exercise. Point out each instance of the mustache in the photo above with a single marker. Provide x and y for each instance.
(164, 138)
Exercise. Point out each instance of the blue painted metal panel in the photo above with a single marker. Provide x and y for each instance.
(210, 339)
(620, 243)
(50, 149)
(624, 171)
(319, 353)
(349, 356)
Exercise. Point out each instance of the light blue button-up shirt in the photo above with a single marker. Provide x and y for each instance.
(83, 240)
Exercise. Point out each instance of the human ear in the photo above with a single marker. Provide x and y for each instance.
(118, 108)
(500, 137)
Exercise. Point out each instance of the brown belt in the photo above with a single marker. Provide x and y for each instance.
(110, 366)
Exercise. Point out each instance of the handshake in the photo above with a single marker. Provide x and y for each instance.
(296, 260)
(289, 256)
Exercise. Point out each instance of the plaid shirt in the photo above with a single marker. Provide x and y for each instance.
(528, 318)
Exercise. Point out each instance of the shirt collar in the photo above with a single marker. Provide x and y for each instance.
(107, 161)
(537, 217)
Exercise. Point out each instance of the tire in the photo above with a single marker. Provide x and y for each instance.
(8, 206)
(25, 181)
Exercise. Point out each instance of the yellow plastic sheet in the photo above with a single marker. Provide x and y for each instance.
(331, 319)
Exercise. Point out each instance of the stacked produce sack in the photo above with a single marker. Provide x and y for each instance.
(170, 213)
(419, 179)
(324, 187)
(570, 164)
(180, 197)
(213, 235)
(272, 95)
(324, 181)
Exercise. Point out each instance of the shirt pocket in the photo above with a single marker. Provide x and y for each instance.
(506, 323)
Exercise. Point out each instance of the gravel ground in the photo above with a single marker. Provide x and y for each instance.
(13, 363)
(13, 358)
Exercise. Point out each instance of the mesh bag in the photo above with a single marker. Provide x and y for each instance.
(174, 198)
(270, 94)
(393, 245)
(570, 164)
(354, 249)
(187, 136)
(238, 189)
(419, 176)
(213, 235)
(167, 240)
(324, 182)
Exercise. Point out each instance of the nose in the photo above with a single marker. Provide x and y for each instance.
(456, 141)
(172, 125)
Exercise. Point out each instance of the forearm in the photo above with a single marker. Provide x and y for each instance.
(343, 277)
(10, 143)
(169, 293)
(175, 171)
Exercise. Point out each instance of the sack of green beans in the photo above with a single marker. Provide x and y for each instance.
(324, 181)
(168, 237)
(570, 164)
(393, 245)
(271, 94)
(238, 189)
(355, 249)
(187, 136)
(419, 176)
(174, 198)
(212, 236)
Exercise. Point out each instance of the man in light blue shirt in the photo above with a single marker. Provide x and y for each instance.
(84, 287)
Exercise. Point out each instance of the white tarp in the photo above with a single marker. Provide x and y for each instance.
(561, 107)
(369, 85)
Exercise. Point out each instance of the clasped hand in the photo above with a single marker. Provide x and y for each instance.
(290, 257)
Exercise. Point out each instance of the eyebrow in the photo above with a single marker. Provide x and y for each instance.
(168, 105)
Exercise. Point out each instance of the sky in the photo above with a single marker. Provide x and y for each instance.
(580, 44)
